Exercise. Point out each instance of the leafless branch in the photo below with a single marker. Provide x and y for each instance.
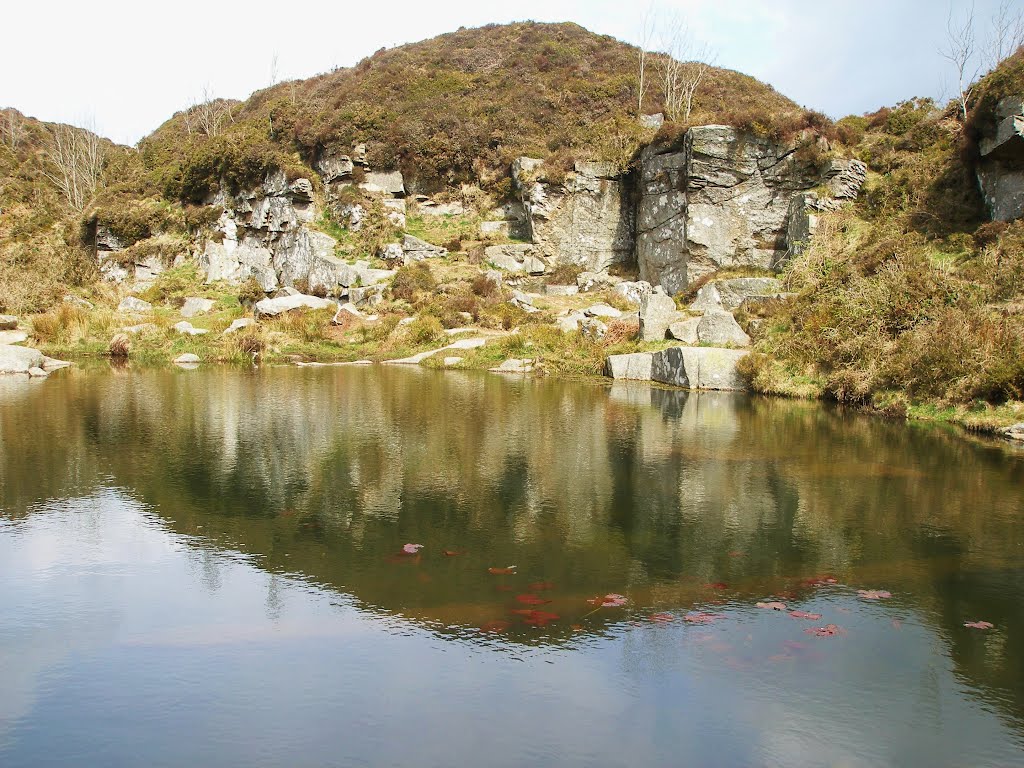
(960, 51)
(73, 162)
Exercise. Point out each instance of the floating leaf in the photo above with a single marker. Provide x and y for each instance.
(576, 627)
(818, 581)
(979, 624)
(503, 588)
(773, 606)
(531, 600)
(498, 625)
(700, 617)
(540, 586)
(451, 553)
(805, 615)
(735, 554)
(661, 618)
(537, 618)
(717, 585)
(829, 630)
(412, 549)
(502, 571)
(874, 594)
(609, 601)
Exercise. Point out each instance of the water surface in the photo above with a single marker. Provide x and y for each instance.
(205, 568)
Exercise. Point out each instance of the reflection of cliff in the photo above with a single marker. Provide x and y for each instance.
(328, 472)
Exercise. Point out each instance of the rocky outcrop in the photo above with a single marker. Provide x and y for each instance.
(632, 367)
(699, 368)
(722, 198)
(1001, 166)
(281, 304)
(730, 293)
(584, 219)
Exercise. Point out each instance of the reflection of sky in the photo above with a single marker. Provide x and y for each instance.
(121, 642)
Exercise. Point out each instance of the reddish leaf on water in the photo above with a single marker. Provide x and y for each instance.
(531, 600)
(503, 588)
(717, 585)
(498, 625)
(700, 617)
(818, 581)
(502, 571)
(735, 554)
(412, 549)
(979, 624)
(540, 586)
(661, 618)
(609, 601)
(537, 618)
(805, 615)
(451, 553)
(874, 594)
(829, 630)
(773, 605)
(576, 627)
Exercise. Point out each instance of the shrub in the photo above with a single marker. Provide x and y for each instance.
(411, 280)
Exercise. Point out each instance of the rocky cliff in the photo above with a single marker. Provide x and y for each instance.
(718, 198)
(1001, 165)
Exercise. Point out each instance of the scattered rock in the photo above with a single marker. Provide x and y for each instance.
(634, 292)
(78, 302)
(493, 276)
(414, 249)
(685, 330)
(495, 228)
(657, 312)
(188, 359)
(348, 309)
(731, 293)
(720, 329)
(603, 310)
(8, 322)
(571, 323)
(699, 368)
(523, 301)
(632, 367)
(561, 290)
(134, 304)
(50, 364)
(13, 337)
(450, 361)
(196, 306)
(514, 366)
(120, 345)
(188, 329)
(1015, 432)
(37, 373)
(594, 281)
(592, 328)
(239, 324)
(141, 328)
(274, 307)
(510, 258)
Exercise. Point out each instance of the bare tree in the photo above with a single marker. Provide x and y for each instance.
(961, 50)
(273, 70)
(74, 162)
(684, 65)
(12, 130)
(648, 22)
(209, 115)
(1007, 34)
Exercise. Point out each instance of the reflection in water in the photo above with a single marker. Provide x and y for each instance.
(262, 514)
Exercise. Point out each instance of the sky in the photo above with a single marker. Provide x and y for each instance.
(124, 66)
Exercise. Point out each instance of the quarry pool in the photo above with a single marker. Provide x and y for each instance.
(372, 566)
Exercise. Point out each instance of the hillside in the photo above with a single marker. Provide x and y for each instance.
(455, 109)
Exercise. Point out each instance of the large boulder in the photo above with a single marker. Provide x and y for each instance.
(719, 329)
(281, 304)
(699, 368)
(657, 313)
(730, 293)
(637, 366)
(14, 359)
(584, 217)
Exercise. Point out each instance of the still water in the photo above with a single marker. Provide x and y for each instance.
(207, 568)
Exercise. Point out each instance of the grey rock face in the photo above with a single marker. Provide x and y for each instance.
(657, 313)
(196, 306)
(587, 219)
(685, 330)
(1001, 170)
(699, 368)
(720, 329)
(388, 182)
(511, 258)
(634, 292)
(594, 281)
(134, 304)
(729, 294)
(722, 199)
(414, 249)
(633, 367)
(603, 310)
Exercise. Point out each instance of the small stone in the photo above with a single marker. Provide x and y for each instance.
(514, 366)
(450, 361)
(187, 359)
(592, 328)
(239, 324)
(37, 373)
(8, 322)
(134, 304)
(196, 306)
(188, 329)
(602, 310)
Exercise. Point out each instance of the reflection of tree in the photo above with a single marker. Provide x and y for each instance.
(658, 492)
